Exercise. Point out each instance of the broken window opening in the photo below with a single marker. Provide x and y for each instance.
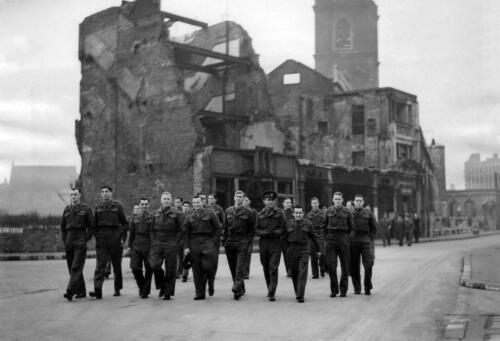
(343, 37)
(358, 119)
(322, 128)
(358, 158)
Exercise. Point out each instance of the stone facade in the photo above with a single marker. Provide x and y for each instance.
(145, 115)
(482, 174)
(472, 203)
(347, 41)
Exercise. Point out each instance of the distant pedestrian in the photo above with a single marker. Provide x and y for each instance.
(385, 230)
(408, 229)
(299, 234)
(337, 227)
(270, 227)
(416, 223)
(398, 228)
(77, 225)
(111, 224)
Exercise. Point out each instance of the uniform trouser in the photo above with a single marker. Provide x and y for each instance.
(386, 237)
(75, 246)
(317, 263)
(216, 266)
(337, 245)
(108, 244)
(417, 236)
(180, 259)
(248, 260)
(405, 234)
(164, 252)
(298, 256)
(139, 257)
(284, 247)
(361, 247)
(237, 253)
(203, 257)
(270, 255)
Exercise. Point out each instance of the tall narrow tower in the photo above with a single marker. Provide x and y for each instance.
(346, 41)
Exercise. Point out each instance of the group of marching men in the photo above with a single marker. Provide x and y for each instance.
(191, 236)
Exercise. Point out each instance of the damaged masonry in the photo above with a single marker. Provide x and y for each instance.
(198, 114)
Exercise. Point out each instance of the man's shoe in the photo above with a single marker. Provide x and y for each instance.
(81, 295)
(184, 279)
(315, 277)
(300, 299)
(322, 274)
(368, 292)
(97, 294)
(197, 298)
(237, 296)
(333, 295)
(68, 295)
(246, 277)
(272, 298)
(117, 293)
(357, 292)
(162, 292)
(166, 298)
(144, 295)
(343, 294)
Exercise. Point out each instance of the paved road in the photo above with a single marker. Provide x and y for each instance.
(414, 288)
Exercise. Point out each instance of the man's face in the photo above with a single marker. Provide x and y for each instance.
(74, 196)
(197, 203)
(166, 200)
(106, 194)
(185, 207)
(315, 205)
(298, 213)
(177, 203)
(246, 202)
(268, 202)
(287, 204)
(238, 198)
(137, 209)
(203, 199)
(337, 200)
(211, 200)
(358, 202)
(144, 204)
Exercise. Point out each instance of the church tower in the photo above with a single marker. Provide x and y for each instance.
(347, 42)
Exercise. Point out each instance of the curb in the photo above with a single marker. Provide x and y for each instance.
(27, 257)
(467, 281)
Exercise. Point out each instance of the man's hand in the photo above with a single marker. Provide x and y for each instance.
(186, 251)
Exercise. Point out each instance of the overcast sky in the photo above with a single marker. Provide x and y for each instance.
(447, 52)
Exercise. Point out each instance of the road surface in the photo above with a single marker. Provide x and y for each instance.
(414, 289)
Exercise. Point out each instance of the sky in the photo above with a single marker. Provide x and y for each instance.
(446, 52)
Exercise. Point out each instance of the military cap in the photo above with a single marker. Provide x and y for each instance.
(269, 194)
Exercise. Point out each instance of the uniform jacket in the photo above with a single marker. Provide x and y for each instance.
(238, 223)
(337, 219)
(202, 222)
(110, 214)
(301, 232)
(317, 218)
(365, 223)
(270, 223)
(167, 225)
(77, 217)
(140, 226)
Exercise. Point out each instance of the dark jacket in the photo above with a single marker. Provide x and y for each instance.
(110, 214)
(77, 217)
(317, 218)
(239, 223)
(270, 223)
(202, 222)
(140, 226)
(167, 225)
(365, 223)
(301, 232)
(337, 219)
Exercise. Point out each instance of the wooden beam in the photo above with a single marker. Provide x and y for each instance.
(209, 53)
(175, 17)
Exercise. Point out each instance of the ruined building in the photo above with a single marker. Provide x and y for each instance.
(166, 113)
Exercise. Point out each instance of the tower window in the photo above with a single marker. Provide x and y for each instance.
(358, 119)
(343, 34)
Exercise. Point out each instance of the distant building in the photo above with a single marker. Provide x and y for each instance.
(482, 174)
(41, 189)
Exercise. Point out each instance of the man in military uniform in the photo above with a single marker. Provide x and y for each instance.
(316, 217)
(337, 226)
(165, 236)
(270, 227)
(180, 250)
(385, 230)
(202, 233)
(139, 243)
(361, 245)
(186, 209)
(111, 223)
(246, 203)
(299, 234)
(77, 226)
(219, 212)
(407, 230)
(288, 211)
(237, 233)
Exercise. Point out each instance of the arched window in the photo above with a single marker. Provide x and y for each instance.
(343, 34)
